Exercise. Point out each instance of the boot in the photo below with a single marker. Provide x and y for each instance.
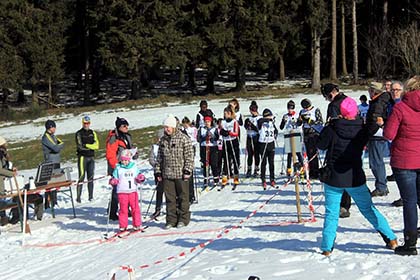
(224, 180)
(79, 193)
(409, 247)
(4, 221)
(264, 185)
(256, 171)
(236, 180)
(289, 172)
(248, 173)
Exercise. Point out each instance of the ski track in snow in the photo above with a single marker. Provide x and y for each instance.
(264, 246)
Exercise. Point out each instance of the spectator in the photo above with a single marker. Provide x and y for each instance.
(344, 139)
(51, 147)
(6, 170)
(118, 139)
(87, 143)
(363, 107)
(378, 146)
(174, 166)
(402, 129)
(191, 132)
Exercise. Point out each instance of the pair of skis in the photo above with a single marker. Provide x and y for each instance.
(125, 233)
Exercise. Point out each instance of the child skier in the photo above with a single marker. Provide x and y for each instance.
(125, 178)
(289, 122)
(251, 124)
(208, 136)
(267, 136)
(230, 133)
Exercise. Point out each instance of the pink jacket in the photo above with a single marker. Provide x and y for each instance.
(403, 128)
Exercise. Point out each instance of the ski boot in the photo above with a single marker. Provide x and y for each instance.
(256, 171)
(264, 185)
(224, 181)
(235, 182)
(249, 172)
(289, 172)
(273, 183)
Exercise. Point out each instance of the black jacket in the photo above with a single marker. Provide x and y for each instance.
(378, 107)
(334, 107)
(345, 158)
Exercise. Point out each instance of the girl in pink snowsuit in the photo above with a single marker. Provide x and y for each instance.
(125, 178)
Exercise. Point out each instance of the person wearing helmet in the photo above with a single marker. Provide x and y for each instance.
(266, 143)
(311, 120)
(87, 143)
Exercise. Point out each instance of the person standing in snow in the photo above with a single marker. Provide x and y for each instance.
(230, 133)
(87, 143)
(344, 139)
(152, 161)
(289, 122)
(251, 126)
(118, 139)
(311, 120)
(209, 152)
(266, 143)
(174, 166)
(204, 111)
(6, 171)
(402, 128)
(124, 179)
(363, 107)
(51, 147)
(191, 132)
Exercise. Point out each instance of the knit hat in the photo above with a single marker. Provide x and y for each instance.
(49, 124)
(203, 102)
(328, 88)
(291, 104)
(305, 103)
(253, 107)
(348, 108)
(120, 121)
(376, 87)
(267, 113)
(86, 119)
(125, 155)
(170, 121)
(2, 141)
(208, 118)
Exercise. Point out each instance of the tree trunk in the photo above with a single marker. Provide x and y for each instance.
(191, 76)
(355, 50)
(385, 14)
(333, 66)
(50, 97)
(181, 77)
(316, 60)
(282, 72)
(240, 77)
(343, 40)
(135, 92)
(211, 75)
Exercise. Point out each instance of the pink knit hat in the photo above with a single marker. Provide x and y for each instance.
(348, 108)
(125, 155)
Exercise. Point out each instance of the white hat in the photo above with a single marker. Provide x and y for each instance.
(170, 121)
(2, 141)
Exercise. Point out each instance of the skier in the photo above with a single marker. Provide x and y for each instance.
(152, 161)
(124, 179)
(204, 111)
(289, 122)
(252, 139)
(230, 133)
(191, 131)
(311, 118)
(86, 142)
(209, 153)
(363, 107)
(267, 135)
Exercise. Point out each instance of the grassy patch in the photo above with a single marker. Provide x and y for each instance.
(28, 154)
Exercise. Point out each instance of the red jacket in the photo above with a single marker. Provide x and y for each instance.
(115, 142)
(403, 128)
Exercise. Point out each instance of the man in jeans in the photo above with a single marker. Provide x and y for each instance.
(378, 145)
(174, 166)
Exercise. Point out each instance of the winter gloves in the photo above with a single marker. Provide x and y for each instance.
(140, 178)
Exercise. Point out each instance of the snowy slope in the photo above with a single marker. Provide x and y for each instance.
(268, 244)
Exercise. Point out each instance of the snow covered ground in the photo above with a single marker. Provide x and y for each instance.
(269, 244)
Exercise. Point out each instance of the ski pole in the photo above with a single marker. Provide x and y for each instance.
(109, 211)
(150, 203)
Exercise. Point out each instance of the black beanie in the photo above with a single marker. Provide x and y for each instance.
(253, 107)
(328, 88)
(305, 103)
(291, 104)
(267, 113)
(120, 121)
(49, 124)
